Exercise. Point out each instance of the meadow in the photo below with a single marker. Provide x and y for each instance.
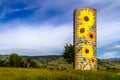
(46, 74)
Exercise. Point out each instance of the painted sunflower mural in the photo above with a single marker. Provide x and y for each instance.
(91, 36)
(86, 17)
(87, 51)
(85, 39)
(82, 31)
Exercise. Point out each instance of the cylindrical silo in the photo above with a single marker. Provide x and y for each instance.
(85, 39)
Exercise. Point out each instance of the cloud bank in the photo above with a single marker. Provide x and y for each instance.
(45, 38)
(108, 55)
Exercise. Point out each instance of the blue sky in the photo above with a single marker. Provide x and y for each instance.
(41, 27)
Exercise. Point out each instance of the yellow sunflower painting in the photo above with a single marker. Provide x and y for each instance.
(81, 66)
(85, 38)
(87, 67)
(93, 61)
(82, 31)
(91, 36)
(87, 51)
(86, 17)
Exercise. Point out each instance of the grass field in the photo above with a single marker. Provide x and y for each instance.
(46, 74)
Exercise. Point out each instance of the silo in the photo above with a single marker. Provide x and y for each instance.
(85, 39)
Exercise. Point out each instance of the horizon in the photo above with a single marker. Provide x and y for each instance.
(44, 27)
(57, 55)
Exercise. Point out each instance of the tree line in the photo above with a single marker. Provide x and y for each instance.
(15, 60)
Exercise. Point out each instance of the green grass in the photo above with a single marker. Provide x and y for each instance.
(46, 74)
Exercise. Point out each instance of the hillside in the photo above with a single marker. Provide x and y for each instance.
(109, 64)
(56, 60)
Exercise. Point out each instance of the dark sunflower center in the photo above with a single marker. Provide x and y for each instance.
(93, 60)
(87, 51)
(82, 30)
(91, 36)
(86, 18)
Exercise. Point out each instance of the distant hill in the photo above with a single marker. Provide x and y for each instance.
(29, 52)
(108, 63)
(46, 56)
(113, 59)
(102, 63)
(43, 56)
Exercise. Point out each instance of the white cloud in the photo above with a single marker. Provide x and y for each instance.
(109, 55)
(108, 33)
(45, 37)
(115, 47)
(108, 23)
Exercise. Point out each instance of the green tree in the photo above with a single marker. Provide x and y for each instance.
(4, 63)
(31, 63)
(68, 53)
(23, 62)
(14, 60)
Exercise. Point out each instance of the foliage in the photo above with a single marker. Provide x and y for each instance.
(108, 64)
(68, 53)
(14, 60)
(51, 61)
(23, 62)
(33, 63)
(4, 63)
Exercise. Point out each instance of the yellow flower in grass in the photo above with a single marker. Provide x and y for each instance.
(93, 61)
(87, 17)
(82, 31)
(91, 36)
(87, 51)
